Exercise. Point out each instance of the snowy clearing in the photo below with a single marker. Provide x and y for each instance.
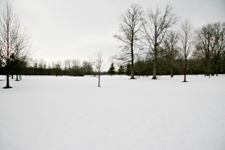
(72, 113)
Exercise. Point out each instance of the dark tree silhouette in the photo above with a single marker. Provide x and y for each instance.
(111, 70)
(14, 41)
(128, 69)
(155, 29)
(121, 70)
(171, 51)
(210, 45)
(129, 28)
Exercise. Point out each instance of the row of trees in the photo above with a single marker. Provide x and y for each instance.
(68, 67)
(150, 46)
(150, 39)
(145, 67)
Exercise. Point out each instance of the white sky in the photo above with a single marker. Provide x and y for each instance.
(77, 29)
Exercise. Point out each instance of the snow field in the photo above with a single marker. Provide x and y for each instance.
(55, 113)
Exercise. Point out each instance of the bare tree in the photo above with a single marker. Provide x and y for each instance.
(185, 36)
(204, 45)
(219, 44)
(76, 64)
(14, 41)
(155, 29)
(170, 50)
(129, 29)
(97, 62)
(87, 67)
(209, 45)
(58, 68)
(67, 64)
(41, 64)
(76, 69)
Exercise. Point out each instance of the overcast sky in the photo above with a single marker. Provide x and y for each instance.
(77, 29)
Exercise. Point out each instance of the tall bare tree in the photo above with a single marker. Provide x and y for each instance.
(155, 28)
(171, 51)
(14, 41)
(210, 44)
(185, 36)
(204, 45)
(129, 29)
(219, 44)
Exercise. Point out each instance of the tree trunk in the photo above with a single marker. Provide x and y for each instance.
(17, 77)
(99, 79)
(7, 82)
(208, 68)
(185, 78)
(217, 69)
(154, 66)
(171, 72)
(205, 72)
(132, 73)
(185, 68)
(132, 62)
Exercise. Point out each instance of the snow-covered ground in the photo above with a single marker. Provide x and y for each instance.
(72, 113)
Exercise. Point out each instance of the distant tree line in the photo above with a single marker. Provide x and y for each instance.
(40, 67)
